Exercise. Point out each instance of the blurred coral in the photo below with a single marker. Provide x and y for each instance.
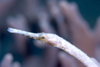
(51, 16)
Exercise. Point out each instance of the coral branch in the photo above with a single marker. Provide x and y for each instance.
(59, 42)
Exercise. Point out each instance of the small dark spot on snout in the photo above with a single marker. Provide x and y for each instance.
(28, 36)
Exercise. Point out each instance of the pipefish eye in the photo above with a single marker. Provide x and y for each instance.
(42, 37)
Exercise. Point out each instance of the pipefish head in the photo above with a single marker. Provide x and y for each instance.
(48, 38)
